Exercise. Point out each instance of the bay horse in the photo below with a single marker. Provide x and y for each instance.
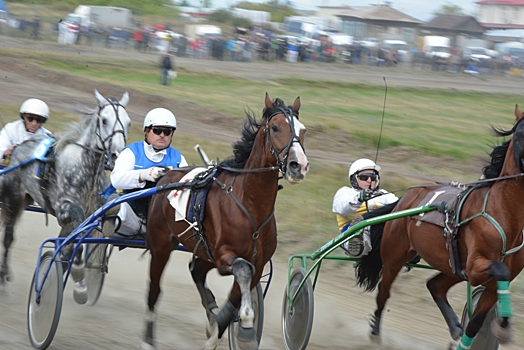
(69, 183)
(239, 223)
(488, 224)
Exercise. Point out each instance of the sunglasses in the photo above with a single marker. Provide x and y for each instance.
(30, 119)
(365, 177)
(159, 131)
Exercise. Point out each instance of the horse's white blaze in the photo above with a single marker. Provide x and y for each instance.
(297, 154)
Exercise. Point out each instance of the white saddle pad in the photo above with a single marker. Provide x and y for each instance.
(179, 199)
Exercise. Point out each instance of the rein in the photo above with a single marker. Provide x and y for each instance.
(256, 231)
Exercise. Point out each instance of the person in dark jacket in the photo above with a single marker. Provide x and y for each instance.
(166, 66)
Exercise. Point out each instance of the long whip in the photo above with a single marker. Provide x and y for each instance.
(382, 122)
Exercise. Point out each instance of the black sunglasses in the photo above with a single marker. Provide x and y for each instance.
(38, 120)
(158, 131)
(365, 177)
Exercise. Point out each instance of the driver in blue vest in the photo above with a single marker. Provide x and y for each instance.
(142, 164)
(33, 113)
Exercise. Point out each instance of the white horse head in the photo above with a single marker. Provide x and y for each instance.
(113, 124)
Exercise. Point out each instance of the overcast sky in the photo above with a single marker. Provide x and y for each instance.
(420, 9)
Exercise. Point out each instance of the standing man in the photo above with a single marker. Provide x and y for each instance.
(166, 66)
(33, 114)
(142, 164)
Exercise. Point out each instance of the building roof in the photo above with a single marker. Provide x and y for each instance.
(454, 23)
(378, 13)
(501, 2)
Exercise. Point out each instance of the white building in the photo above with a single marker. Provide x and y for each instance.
(501, 14)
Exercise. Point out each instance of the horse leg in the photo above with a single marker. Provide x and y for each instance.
(243, 272)
(438, 287)
(499, 271)
(390, 270)
(8, 240)
(159, 259)
(11, 212)
(199, 273)
(70, 221)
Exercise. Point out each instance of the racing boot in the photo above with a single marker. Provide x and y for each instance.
(355, 246)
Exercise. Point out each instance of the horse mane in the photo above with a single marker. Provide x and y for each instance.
(498, 155)
(75, 131)
(242, 148)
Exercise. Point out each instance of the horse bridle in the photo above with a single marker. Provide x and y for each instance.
(289, 114)
(114, 103)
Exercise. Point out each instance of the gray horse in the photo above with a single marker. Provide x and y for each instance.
(69, 183)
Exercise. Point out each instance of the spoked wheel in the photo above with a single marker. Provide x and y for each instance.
(95, 270)
(43, 315)
(257, 299)
(297, 319)
(485, 340)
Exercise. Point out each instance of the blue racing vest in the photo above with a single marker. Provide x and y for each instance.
(171, 160)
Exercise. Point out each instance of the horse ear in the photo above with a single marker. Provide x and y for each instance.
(125, 99)
(268, 101)
(518, 113)
(296, 104)
(101, 100)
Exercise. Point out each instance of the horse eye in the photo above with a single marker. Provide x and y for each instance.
(275, 128)
(104, 121)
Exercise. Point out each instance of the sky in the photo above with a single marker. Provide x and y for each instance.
(420, 9)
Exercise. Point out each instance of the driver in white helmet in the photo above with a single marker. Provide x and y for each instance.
(363, 196)
(142, 164)
(33, 114)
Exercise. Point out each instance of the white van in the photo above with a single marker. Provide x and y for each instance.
(402, 48)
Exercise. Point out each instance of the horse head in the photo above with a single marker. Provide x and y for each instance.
(113, 124)
(285, 135)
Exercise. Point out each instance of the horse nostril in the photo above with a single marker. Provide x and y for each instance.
(307, 168)
(294, 166)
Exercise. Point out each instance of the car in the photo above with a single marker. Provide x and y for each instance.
(477, 53)
(369, 42)
(68, 29)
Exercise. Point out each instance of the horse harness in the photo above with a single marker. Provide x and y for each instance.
(203, 181)
(448, 217)
(47, 164)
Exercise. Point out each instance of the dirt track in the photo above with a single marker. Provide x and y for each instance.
(341, 310)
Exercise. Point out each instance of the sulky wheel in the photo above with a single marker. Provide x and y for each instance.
(485, 340)
(95, 270)
(43, 315)
(257, 299)
(297, 319)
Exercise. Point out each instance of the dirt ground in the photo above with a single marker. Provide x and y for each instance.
(412, 320)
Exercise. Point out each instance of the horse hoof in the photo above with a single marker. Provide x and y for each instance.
(211, 327)
(247, 338)
(504, 335)
(146, 346)
(375, 338)
(453, 344)
(80, 292)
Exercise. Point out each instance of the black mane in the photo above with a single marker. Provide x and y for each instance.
(242, 148)
(498, 154)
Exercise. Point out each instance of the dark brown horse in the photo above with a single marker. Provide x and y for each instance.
(239, 225)
(489, 234)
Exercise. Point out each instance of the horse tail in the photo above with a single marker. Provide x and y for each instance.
(368, 270)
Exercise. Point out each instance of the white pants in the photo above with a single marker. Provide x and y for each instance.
(131, 224)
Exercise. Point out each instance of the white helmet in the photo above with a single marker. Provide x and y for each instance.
(160, 117)
(359, 165)
(36, 107)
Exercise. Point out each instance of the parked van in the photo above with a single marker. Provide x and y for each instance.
(400, 46)
(438, 46)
